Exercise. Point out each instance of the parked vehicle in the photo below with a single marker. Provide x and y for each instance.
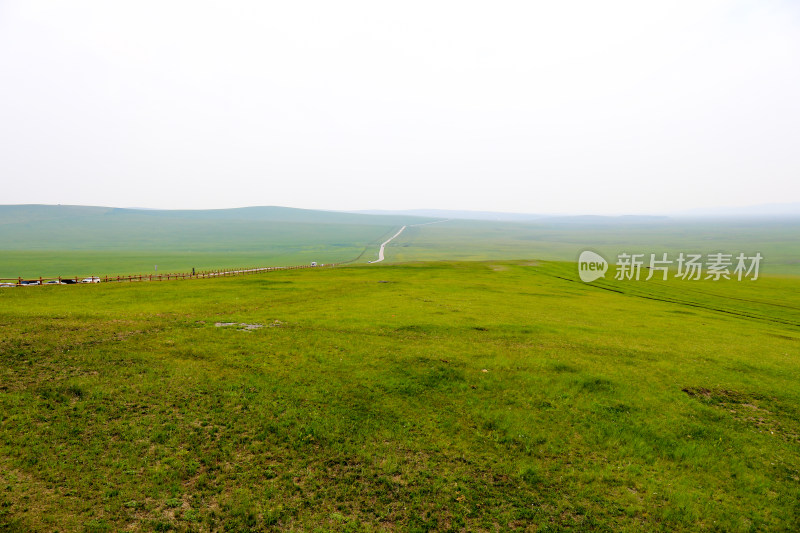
(7, 285)
(313, 263)
(91, 280)
(27, 282)
(68, 282)
(52, 282)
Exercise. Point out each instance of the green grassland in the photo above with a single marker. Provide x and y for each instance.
(423, 396)
(71, 241)
(80, 241)
(562, 239)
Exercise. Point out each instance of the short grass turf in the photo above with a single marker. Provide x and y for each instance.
(424, 396)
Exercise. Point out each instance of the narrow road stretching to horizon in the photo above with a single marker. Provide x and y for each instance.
(380, 252)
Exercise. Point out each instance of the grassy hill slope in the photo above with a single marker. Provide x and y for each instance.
(38, 240)
(427, 396)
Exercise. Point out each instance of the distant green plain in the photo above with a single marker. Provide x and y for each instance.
(778, 240)
(80, 241)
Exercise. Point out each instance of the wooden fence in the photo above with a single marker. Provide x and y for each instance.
(171, 276)
(205, 274)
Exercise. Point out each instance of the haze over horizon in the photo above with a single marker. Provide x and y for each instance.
(762, 210)
(574, 108)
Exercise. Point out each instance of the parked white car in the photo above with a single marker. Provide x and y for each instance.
(90, 280)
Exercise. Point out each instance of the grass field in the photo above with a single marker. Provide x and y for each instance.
(415, 397)
(81, 241)
(562, 239)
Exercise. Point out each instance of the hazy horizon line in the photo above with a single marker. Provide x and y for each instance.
(784, 209)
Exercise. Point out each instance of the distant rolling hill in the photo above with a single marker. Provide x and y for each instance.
(763, 210)
(42, 227)
(456, 214)
(774, 210)
(67, 240)
(41, 240)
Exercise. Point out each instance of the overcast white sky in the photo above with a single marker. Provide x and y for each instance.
(578, 107)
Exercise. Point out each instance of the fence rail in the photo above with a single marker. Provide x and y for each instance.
(171, 276)
(205, 274)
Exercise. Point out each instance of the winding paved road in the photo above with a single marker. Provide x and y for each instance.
(380, 252)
